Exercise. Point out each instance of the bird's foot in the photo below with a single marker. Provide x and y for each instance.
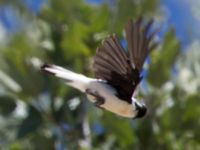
(99, 100)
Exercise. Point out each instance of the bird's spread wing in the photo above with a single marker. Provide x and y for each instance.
(139, 42)
(121, 69)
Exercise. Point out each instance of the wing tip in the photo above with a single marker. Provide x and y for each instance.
(132, 21)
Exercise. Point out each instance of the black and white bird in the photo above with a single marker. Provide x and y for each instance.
(117, 72)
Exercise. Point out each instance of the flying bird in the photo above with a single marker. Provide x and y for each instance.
(117, 71)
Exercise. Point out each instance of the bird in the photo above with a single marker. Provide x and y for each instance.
(117, 71)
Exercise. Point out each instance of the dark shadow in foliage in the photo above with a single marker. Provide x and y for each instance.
(31, 123)
(7, 104)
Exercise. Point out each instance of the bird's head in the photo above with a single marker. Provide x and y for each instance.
(140, 108)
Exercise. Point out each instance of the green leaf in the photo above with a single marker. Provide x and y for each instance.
(7, 104)
(163, 60)
(121, 128)
(73, 41)
(41, 141)
(31, 123)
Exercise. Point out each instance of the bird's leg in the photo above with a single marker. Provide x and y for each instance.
(99, 99)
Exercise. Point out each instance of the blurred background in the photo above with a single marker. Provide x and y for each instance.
(38, 112)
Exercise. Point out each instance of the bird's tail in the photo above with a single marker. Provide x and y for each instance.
(73, 79)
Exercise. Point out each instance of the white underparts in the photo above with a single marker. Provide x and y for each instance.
(112, 102)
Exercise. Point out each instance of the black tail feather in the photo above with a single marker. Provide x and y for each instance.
(44, 69)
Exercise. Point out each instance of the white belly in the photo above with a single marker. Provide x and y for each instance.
(112, 103)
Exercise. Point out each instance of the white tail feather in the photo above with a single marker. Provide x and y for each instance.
(73, 79)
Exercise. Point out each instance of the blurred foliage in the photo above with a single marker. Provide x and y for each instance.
(39, 112)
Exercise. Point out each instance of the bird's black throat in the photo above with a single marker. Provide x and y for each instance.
(142, 110)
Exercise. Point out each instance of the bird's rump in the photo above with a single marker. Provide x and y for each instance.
(122, 69)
